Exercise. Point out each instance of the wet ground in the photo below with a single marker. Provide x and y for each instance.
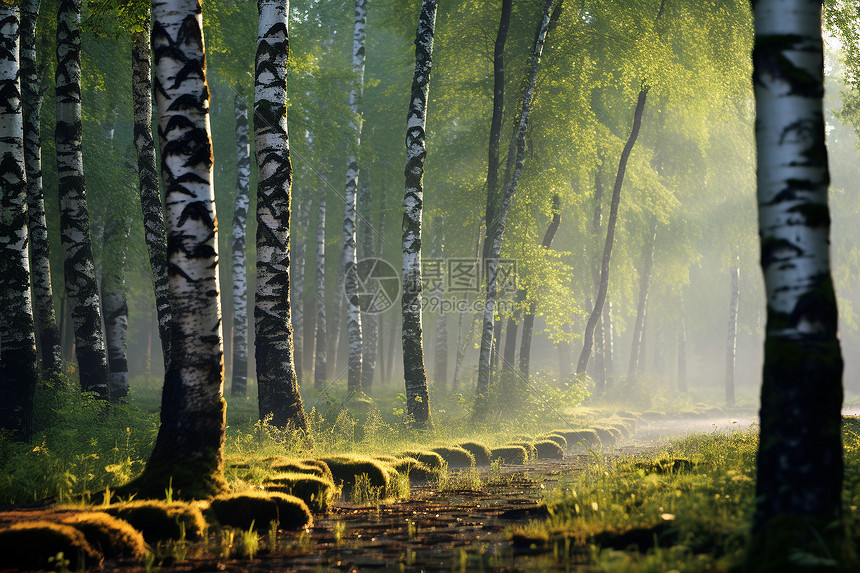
(458, 528)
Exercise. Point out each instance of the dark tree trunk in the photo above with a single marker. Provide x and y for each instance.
(32, 97)
(529, 321)
(510, 353)
(239, 380)
(515, 163)
(115, 304)
(277, 384)
(800, 467)
(17, 329)
(417, 396)
(79, 270)
(189, 450)
(147, 173)
(682, 357)
(637, 348)
(610, 235)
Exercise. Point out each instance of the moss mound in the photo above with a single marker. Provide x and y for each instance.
(30, 545)
(110, 535)
(417, 471)
(515, 455)
(548, 450)
(609, 435)
(531, 453)
(480, 451)
(308, 466)
(456, 457)
(558, 439)
(259, 509)
(317, 492)
(159, 520)
(584, 437)
(430, 459)
(346, 469)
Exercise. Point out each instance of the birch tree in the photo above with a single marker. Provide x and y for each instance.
(417, 396)
(188, 453)
(239, 380)
(320, 352)
(277, 382)
(147, 175)
(799, 483)
(17, 330)
(350, 270)
(33, 95)
(298, 288)
(115, 304)
(79, 270)
(514, 170)
(732, 339)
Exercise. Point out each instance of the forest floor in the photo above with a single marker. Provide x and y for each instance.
(464, 524)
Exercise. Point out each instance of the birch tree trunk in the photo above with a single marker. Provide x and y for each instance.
(115, 304)
(276, 374)
(17, 329)
(500, 217)
(33, 95)
(682, 357)
(732, 341)
(637, 351)
(800, 454)
(369, 320)
(582, 364)
(147, 173)
(350, 274)
(608, 342)
(239, 380)
(320, 352)
(188, 453)
(529, 321)
(417, 396)
(298, 288)
(510, 353)
(79, 270)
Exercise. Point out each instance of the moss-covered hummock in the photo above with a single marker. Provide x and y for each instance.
(515, 455)
(430, 459)
(29, 546)
(558, 439)
(317, 492)
(480, 451)
(346, 469)
(112, 536)
(584, 437)
(159, 520)
(306, 466)
(259, 509)
(548, 450)
(456, 457)
(415, 470)
(531, 453)
(609, 435)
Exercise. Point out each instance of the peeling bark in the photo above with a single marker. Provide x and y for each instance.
(33, 95)
(17, 329)
(239, 379)
(414, 373)
(147, 174)
(800, 453)
(79, 270)
(277, 381)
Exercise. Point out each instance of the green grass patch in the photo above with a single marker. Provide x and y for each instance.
(479, 451)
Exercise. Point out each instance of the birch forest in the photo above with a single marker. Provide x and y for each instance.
(508, 285)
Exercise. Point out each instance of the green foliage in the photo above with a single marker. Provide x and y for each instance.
(81, 446)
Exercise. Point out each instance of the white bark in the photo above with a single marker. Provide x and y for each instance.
(240, 273)
(320, 354)
(353, 312)
(17, 334)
